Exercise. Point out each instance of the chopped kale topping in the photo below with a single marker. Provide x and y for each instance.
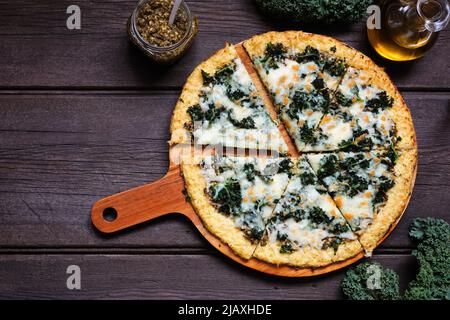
(381, 102)
(285, 166)
(318, 216)
(340, 228)
(298, 215)
(390, 157)
(275, 50)
(384, 185)
(207, 79)
(307, 134)
(250, 172)
(235, 94)
(256, 233)
(281, 236)
(195, 112)
(342, 100)
(246, 123)
(353, 183)
(310, 54)
(286, 248)
(303, 100)
(329, 167)
(335, 67)
(273, 54)
(333, 243)
(318, 83)
(357, 160)
(221, 75)
(213, 113)
(227, 196)
(360, 140)
(308, 178)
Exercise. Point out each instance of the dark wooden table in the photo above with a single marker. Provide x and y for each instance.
(84, 115)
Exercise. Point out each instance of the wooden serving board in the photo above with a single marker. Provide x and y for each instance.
(166, 196)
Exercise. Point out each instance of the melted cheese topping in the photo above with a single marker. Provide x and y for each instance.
(304, 198)
(259, 194)
(356, 87)
(222, 131)
(358, 209)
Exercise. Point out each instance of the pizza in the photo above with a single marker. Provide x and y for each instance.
(343, 145)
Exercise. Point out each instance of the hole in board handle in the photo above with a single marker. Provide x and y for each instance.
(110, 214)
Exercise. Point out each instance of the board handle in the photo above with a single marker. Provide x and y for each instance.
(141, 204)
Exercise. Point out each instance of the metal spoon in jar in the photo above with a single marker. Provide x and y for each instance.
(174, 11)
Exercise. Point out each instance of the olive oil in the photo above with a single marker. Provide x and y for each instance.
(409, 28)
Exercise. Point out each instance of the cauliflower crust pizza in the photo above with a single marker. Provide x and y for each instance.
(346, 119)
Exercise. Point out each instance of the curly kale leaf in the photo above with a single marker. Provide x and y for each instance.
(433, 256)
(371, 281)
(433, 279)
(315, 11)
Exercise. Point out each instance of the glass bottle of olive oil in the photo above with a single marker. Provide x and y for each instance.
(409, 28)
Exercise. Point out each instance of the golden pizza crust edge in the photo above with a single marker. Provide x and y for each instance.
(397, 200)
(307, 257)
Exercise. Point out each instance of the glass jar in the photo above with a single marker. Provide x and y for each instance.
(409, 28)
(163, 54)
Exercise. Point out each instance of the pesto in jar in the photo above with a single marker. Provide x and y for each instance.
(149, 29)
(153, 23)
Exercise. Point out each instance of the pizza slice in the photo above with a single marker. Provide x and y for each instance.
(235, 196)
(307, 229)
(371, 189)
(300, 71)
(219, 105)
(366, 112)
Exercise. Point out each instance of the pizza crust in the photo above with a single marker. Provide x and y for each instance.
(191, 90)
(221, 226)
(399, 112)
(307, 257)
(398, 198)
(298, 40)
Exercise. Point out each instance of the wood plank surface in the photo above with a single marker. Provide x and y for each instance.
(159, 276)
(83, 114)
(63, 151)
(37, 50)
